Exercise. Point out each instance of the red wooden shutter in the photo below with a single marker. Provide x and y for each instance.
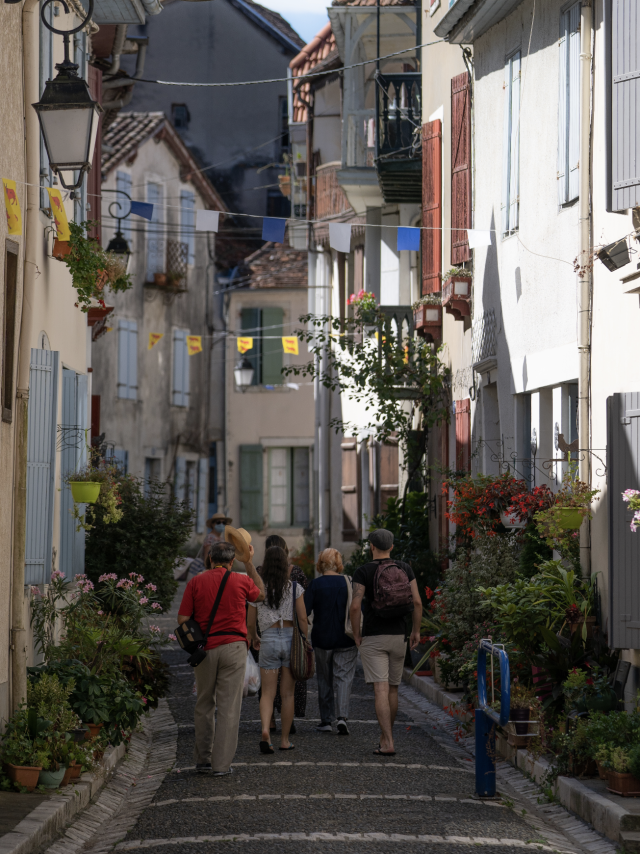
(432, 206)
(443, 522)
(350, 503)
(95, 416)
(389, 470)
(460, 168)
(463, 435)
(94, 177)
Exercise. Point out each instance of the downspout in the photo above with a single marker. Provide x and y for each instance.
(120, 82)
(585, 275)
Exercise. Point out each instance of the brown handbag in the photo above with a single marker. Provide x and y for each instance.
(303, 660)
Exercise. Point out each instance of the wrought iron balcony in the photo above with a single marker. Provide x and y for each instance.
(398, 143)
(484, 342)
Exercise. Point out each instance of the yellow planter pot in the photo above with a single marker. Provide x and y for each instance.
(84, 492)
(570, 519)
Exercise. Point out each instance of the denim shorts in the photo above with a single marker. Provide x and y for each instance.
(275, 648)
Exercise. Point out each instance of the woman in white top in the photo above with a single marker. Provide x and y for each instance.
(275, 618)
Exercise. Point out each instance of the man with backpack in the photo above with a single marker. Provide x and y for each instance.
(386, 591)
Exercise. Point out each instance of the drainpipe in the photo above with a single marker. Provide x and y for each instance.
(120, 82)
(584, 279)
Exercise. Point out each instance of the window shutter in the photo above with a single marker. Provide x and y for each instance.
(301, 487)
(123, 184)
(155, 233)
(625, 136)
(389, 471)
(514, 145)
(463, 435)
(79, 536)
(251, 486)
(41, 460)
(180, 380)
(132, 361)
(506, 148)
(350, 496)
(460, 167)
(203, 491)
(272, 346)
(279, 487)
(443, 522)
(573, 36)
(180, 478)
(251, 321)
(432, 206)
(623, 472)
(123, 356)
(94, 177)
(563, 119)
(188, 222)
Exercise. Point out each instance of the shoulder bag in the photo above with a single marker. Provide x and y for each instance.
(191, 637)
(348, 628)
(303, 662)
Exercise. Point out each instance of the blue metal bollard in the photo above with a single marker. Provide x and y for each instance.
(486, 719)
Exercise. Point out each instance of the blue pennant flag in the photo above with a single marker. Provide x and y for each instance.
(142, 209)
(409, 238)
(273, 229)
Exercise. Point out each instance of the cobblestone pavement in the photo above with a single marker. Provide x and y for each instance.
(330, 794)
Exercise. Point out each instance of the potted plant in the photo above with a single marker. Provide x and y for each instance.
(456, 292)
(427, 315)
(160, 279)
(92, 267)
(621, 779)
(603, 759)
(632, 498)
(364, 306)
(98, 485)
(521, 699)
(571, 508)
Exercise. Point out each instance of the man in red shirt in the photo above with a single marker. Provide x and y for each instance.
(220, 677)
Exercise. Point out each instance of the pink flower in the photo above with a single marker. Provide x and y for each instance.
(35, 591)
(143, 600)
(144, 700)
(136, 577)
(100, 613)
(150, 586)
(57, 575)
(156, 606)
(109, 576)
(154, 630)
(172, 637)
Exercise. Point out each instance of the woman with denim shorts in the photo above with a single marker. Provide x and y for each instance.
(274, 616)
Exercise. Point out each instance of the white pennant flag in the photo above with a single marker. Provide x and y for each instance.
(340, 236)
(478, 238)
(207, 220)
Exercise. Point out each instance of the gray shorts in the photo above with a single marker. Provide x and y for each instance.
(383, 658)
(275, 648)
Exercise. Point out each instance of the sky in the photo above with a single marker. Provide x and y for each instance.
(307, 17)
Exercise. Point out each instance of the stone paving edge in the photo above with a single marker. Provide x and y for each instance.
(46, 821)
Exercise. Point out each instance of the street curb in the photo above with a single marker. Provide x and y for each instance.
(607, 817)
(45, 821)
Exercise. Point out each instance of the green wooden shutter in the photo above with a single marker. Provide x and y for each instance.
(250, 323)
(251, 486)
(272, 346)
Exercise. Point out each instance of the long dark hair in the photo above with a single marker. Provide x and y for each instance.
(276, 540)
(275, 574)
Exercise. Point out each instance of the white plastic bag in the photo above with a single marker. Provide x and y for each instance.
(251, 677)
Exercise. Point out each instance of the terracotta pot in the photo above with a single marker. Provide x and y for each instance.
(98, 754)
(160, 279)
(603, 772)
(67, 775)
(76, 770)
(24, 775)
(60, 249)
(94, 729)
(423, 673)
(624, 784)
(591, 623)
(517, 715)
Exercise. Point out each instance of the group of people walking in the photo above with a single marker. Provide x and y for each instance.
(370, 613)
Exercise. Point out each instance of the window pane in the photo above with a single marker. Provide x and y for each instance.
(279, 487)
(301, 487)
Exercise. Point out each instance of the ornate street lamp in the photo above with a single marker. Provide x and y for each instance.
(118, 244)
(68, 115)
(243, 374)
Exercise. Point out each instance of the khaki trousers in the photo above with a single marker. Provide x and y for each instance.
(219, 682)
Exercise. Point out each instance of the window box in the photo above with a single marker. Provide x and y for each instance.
(456, 296)
(428, 322)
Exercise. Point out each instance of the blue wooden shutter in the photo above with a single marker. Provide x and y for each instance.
(301, 487)
(251, 486)
(180, 478)
(132, 361)
(41, 460)
(623, 472)
(625, 90)
(272, 346)
(155, 232)
(128, 359)
(251, 322)
(203, 490)
(188, 222)
(123, 183)
(180, 380)
(213, 479)
(121, 458)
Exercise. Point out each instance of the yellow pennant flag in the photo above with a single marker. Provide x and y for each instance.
(12, 206)
(194, 344)
(59, 214)
(154, 337)
(290, 345)
(245, 344)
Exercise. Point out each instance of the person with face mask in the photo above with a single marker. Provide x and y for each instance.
(216, 535)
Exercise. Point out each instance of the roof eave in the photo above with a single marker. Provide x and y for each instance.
(467, 20)
(266, 25)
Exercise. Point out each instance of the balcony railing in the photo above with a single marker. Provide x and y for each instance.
(171, 270)
(398, 115)
(484, 342)
(330, 197)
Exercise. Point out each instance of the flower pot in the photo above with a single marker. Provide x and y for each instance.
(68, 774)
(94, 729)
(79, 734)
(569, 518)
(624, 784)
(583, 768)
(52, 779)
(76, 770)
(160, 279)
(603, 772)
(60, 249)
(591, 622)
(84, 492)
(518, 715)
(607, 701)
(24, 775)
(511, 520)
(98, 754)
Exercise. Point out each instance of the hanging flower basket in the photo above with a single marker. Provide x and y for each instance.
(569, 518)
(512, 520)
(84, 492)
(60, 249)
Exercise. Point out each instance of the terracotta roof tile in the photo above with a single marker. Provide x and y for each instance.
(278, 266)
(320, 51)
(126, 134)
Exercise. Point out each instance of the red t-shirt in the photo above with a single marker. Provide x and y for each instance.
(200, 594)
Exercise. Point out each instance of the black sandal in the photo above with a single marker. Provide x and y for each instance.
(266, 747)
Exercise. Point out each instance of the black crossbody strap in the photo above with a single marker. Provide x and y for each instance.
(212, 616)
(295, 615)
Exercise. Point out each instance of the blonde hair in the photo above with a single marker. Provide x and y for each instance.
(330, 559)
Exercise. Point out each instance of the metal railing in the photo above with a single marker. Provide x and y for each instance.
(484, 340)
(398, 115)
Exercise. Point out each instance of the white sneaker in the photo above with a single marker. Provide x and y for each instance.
(343, 729)
(324, 728)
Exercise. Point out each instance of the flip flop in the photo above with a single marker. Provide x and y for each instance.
(265, 747)
(291, 746)
(379, 752)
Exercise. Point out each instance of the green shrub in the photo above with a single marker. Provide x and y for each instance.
(147, 540)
